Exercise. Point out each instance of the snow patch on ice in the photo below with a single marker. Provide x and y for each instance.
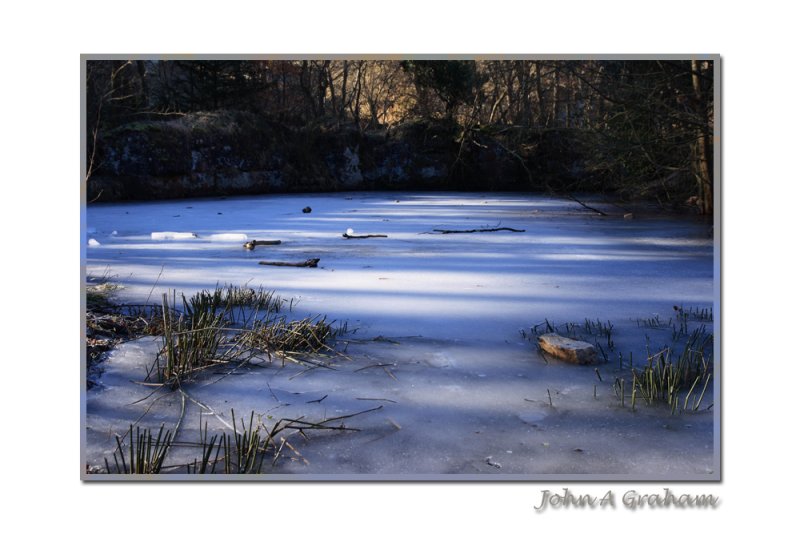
(228, 237)
(160, 236)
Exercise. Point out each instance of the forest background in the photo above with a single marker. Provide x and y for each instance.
(636, 129)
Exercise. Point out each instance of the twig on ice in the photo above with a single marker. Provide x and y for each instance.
(474, 230)
(250, 245)
(365, 236)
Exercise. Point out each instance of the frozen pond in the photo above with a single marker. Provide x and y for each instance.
(437, 321)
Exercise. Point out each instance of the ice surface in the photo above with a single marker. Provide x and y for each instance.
(443, 311)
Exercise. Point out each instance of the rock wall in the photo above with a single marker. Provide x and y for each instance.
(228, 153)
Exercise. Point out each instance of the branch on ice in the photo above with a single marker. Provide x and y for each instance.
(365, 236)
(250, 245)
(474, 230)
(308, 263)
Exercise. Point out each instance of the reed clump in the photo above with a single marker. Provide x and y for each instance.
(143, 454)
(232, 325)
(680, 380)
(243, 450)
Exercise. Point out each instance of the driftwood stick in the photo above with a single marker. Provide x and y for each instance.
(250, 245)
(308, 263)
(477, 230)
(375, 365)
(322, 425)
(571, 197)
(318, 400)
(375, 399)
(351, 236)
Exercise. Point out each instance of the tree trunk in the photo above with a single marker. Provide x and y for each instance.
(141, 71)
(305, 86)
(556, 96)
(540, 95)
(568, 103)
(329, 73)
(356, 109)
(343, 105)
(321, 87)
(703, 163)
(523, 73)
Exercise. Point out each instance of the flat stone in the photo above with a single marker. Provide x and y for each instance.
(570, 350)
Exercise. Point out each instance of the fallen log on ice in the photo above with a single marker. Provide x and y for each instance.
(365, 236)
(308, 263)
(250, 245)
(474, 230)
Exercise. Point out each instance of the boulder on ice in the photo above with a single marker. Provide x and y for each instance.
(570, 350)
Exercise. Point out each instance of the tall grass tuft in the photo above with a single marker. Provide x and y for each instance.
(207, 448)
(281, 336)
(666, 374)
(244, 451)
(244, 454)
(695, 314)
(190, 340)
(145, 453)
(232, 325)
